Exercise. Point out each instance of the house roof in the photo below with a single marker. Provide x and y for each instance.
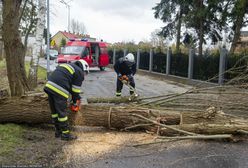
(71, 35)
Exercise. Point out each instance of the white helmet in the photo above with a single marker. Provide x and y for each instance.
(84, 65)
(129, 57)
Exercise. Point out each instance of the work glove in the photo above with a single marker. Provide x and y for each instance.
(75, 107)
(123, 78)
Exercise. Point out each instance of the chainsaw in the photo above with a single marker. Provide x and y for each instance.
(125, 81)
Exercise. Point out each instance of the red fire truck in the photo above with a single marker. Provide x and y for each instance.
(94, 53)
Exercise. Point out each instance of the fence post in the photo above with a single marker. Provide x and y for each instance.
(151, 60)
(125, 52)
(168, 61)
(114, 56)
(191, 63)
(138, 58)
(222, 65)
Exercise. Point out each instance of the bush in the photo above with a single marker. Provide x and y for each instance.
(206, 67)
(179, 65)
(159, 62)
(144, 60)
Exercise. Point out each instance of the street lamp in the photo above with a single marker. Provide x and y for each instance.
(68, 7)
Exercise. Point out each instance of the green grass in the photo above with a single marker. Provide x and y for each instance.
(2, 64)
(10, 138)
(41, 71)
(42, 74)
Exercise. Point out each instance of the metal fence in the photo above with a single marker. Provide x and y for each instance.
(209, 68)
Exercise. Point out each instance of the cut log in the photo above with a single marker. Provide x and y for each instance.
(35, 109)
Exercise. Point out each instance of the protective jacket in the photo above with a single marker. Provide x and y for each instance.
(124, 67)
(65, 80)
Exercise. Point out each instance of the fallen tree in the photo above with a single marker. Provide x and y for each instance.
(35, 109)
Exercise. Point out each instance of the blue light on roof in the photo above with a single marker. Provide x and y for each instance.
(84, 39)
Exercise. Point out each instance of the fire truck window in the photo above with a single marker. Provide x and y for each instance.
(85, 52)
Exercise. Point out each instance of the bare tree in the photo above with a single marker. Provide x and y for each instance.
(156, 39)
(28, 19)
(78, 27)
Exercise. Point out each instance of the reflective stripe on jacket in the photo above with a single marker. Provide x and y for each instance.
(58, 89)
(65, 80)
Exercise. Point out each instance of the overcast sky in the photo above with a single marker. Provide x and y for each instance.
(110, 20)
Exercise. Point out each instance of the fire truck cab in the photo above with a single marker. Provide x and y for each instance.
(94, 53)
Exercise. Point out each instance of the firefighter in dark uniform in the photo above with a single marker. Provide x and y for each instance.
(125, 69)
(66, 80)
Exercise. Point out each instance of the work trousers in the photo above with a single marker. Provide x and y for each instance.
(120, 85)
(58, 106)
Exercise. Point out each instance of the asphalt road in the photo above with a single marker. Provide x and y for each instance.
(175, 154)
(103, 83)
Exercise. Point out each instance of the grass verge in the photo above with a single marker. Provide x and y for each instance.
(10, 137)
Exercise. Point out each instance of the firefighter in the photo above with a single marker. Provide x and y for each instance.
(66, 80)
(125, 69)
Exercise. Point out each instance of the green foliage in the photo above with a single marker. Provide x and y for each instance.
(206, 68)
(10, 138)
(62, 42)
(208, 19)
(131, 46)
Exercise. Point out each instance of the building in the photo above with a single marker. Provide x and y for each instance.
(60, 35)
(243, 41)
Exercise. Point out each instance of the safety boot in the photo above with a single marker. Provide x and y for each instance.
(118, 94)
(57, 133)
(68, 137)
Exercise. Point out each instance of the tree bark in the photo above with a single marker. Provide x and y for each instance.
(179, 25)
(35, 110)
(14, 48)
(38, 44)
(238, 24)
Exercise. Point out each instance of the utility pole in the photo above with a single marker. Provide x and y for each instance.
(68, 7)
(48, 39)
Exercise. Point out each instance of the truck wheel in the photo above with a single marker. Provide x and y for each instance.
(102, 68)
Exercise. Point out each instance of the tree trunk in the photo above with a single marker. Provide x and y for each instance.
(35, 110)
(14, 48)
(1, 50)
(38, 44)
(179, 25)
(238, 24)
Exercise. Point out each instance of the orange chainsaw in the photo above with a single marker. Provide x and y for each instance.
(124, 79)
(75, 107)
